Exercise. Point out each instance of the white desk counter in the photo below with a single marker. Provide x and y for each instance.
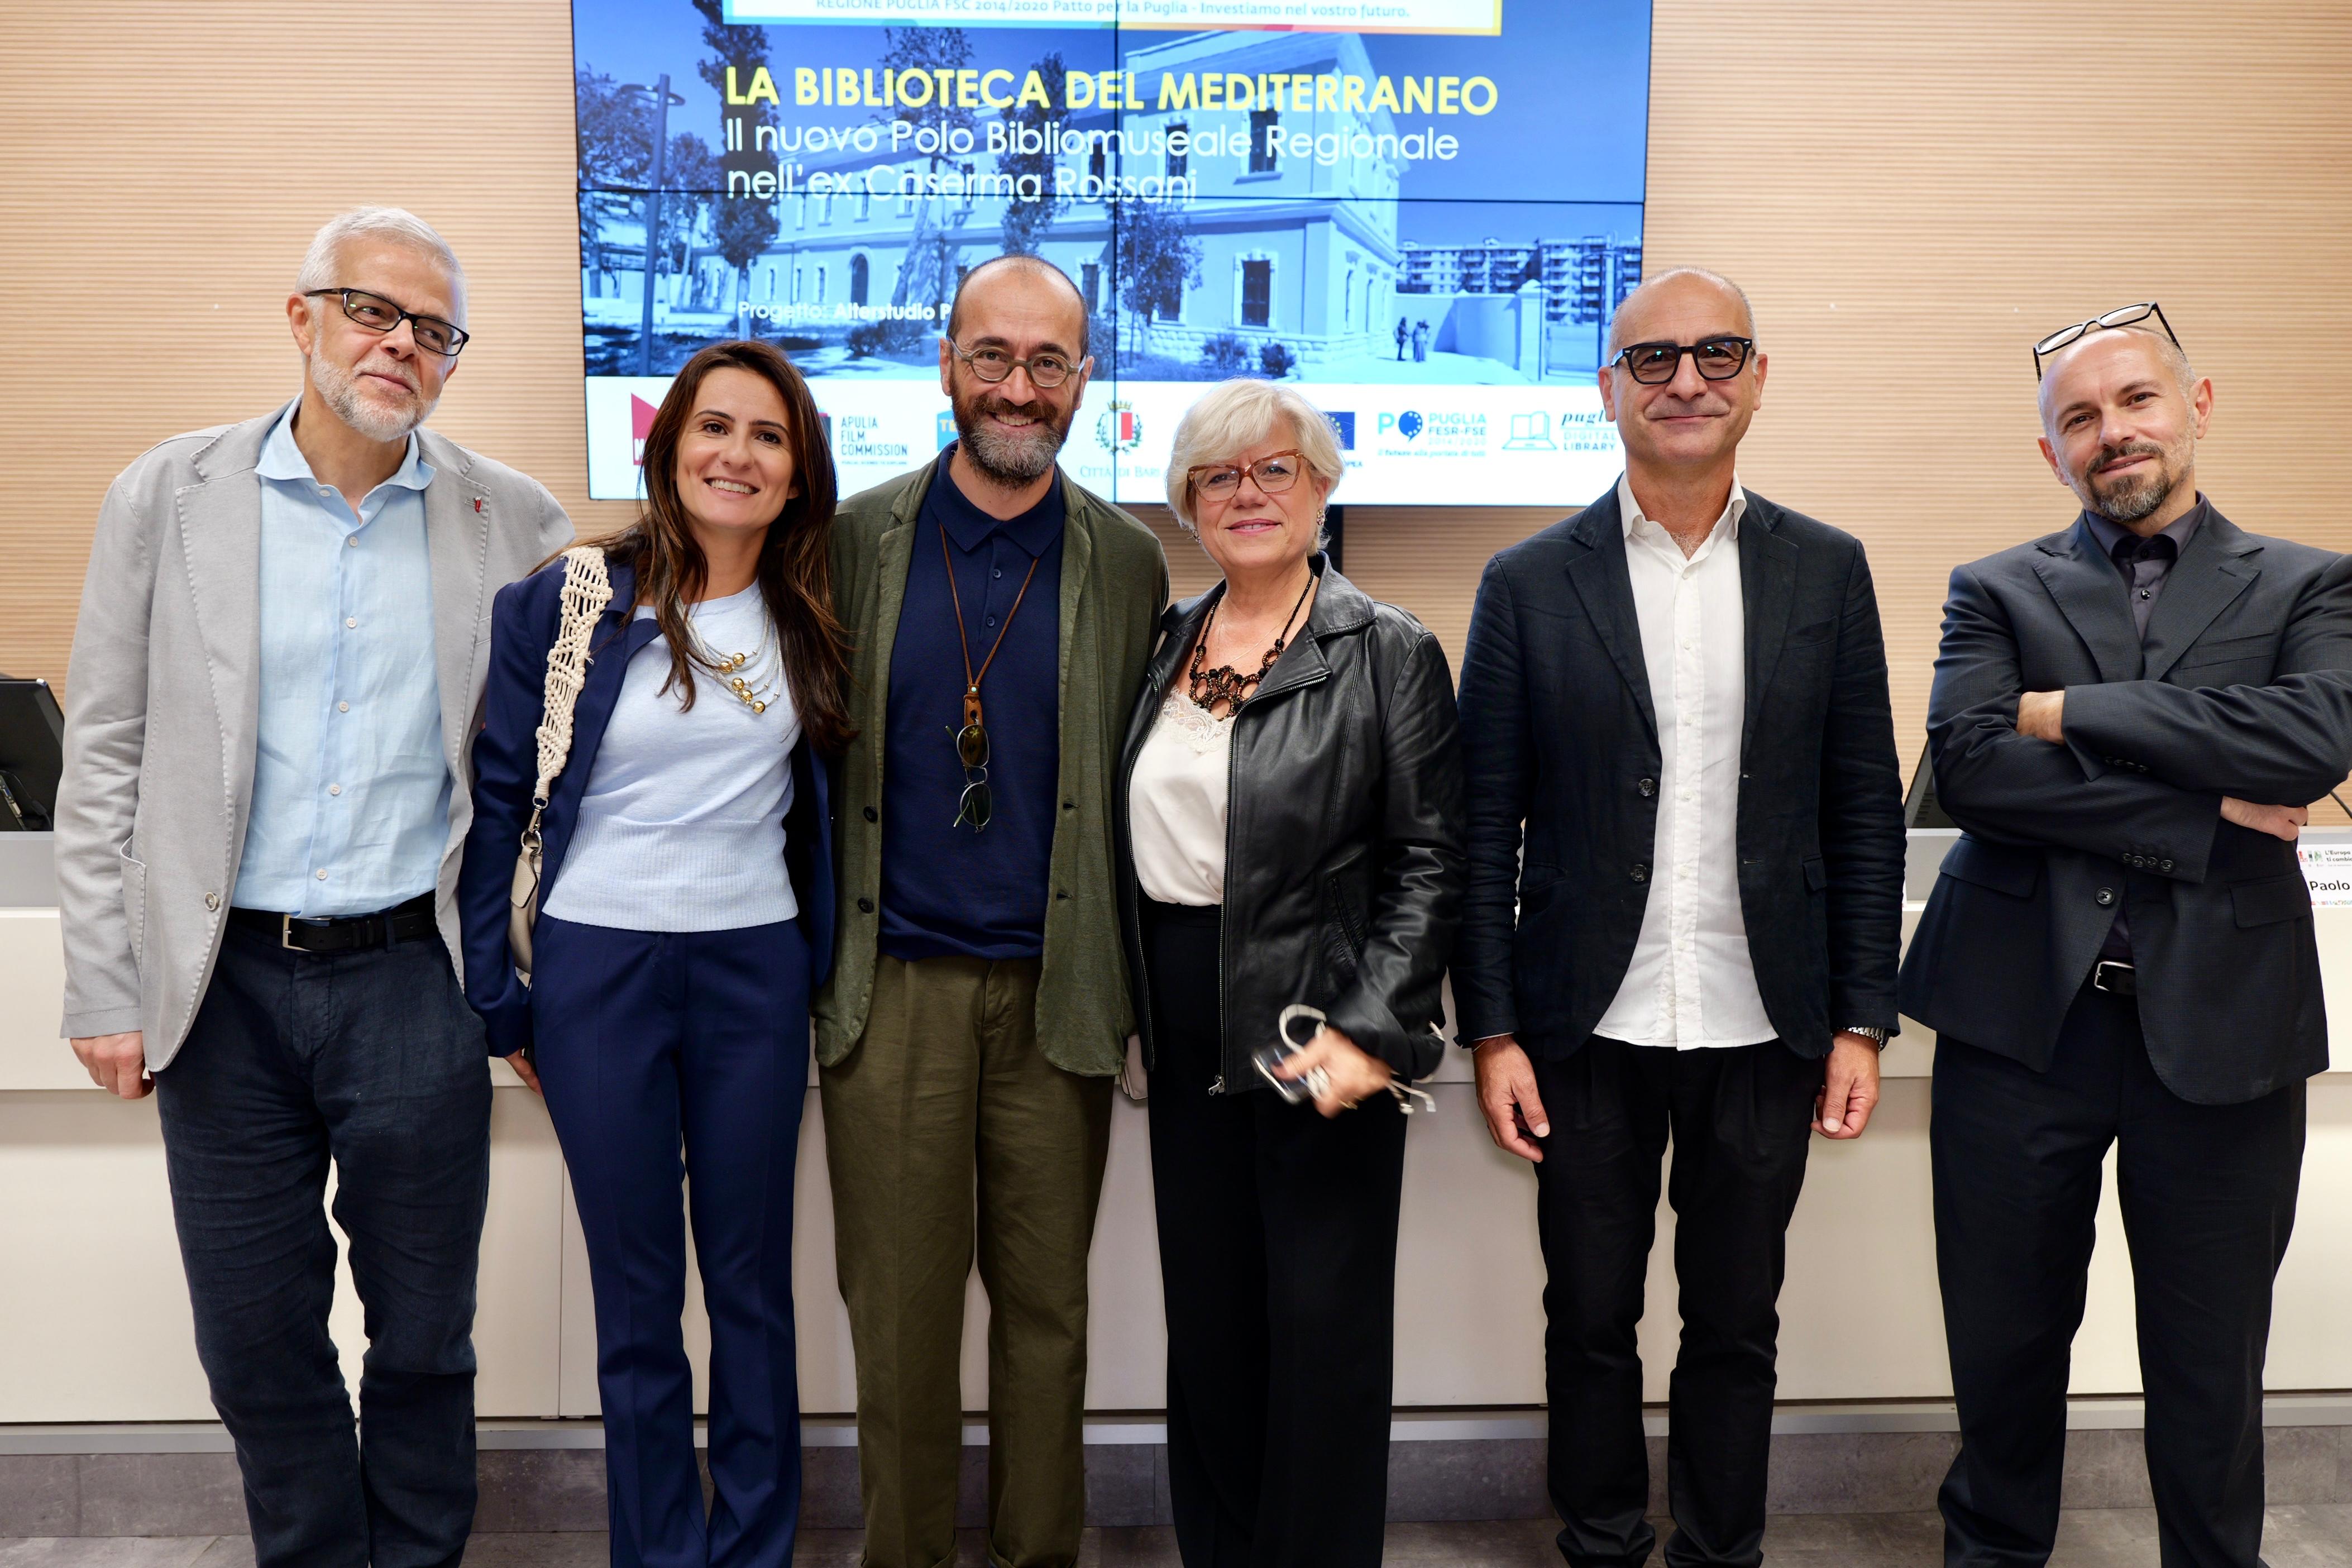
(94, 1323)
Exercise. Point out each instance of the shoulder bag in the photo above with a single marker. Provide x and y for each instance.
(587, 590)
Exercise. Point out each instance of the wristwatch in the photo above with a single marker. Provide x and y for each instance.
(1875, 1035)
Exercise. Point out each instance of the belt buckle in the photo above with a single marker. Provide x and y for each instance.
(286, 934)
(2125, 975)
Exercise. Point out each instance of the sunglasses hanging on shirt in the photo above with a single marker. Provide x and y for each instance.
(975, 805)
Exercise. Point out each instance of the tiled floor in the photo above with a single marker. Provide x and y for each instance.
(2314, 1536)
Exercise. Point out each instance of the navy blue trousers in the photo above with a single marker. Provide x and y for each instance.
(372, 1060)
(648, 1042)
(2208, 1194)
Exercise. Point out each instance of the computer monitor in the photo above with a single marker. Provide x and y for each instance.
(32, 755)
(1920, 807)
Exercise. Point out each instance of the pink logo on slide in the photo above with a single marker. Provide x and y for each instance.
(641, 424)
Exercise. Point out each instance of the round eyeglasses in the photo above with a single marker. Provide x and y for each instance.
(378, 314)
(1046, 371)
(1273, 474)
(1654, 364)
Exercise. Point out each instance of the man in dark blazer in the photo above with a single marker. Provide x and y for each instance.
(1677, 702)
(2128, 718)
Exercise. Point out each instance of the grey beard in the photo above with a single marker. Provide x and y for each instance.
(2134, 501)
(1010, 461)
(342, 391)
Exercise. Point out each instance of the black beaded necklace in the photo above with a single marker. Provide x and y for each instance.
(1224, 684)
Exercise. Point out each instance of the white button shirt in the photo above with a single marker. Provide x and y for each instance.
(1692, 983)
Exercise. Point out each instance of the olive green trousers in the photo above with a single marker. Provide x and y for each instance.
(949, 1136)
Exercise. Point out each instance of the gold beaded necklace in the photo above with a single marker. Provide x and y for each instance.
(756, 690)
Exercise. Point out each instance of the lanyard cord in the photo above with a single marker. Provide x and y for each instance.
(963, 644)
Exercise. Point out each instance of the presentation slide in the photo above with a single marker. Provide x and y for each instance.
(1422, 212)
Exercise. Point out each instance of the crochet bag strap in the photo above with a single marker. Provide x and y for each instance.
(587, 590)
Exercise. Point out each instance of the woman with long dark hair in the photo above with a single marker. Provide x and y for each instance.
(684, 918)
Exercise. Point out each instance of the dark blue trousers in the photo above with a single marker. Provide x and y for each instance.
(2208, 1194)
(374, 1061)
(648, 1042)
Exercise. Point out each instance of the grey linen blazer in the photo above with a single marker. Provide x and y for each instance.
(164, 692)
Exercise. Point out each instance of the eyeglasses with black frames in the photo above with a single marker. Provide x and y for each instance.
(992, 365)
(1274, 473)
(1654, 364)
(378, 314)
(2121, 316)
(975, 806)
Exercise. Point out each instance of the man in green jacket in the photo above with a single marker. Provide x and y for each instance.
(978, 1009)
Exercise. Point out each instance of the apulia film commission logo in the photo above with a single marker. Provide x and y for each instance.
(1120, 428)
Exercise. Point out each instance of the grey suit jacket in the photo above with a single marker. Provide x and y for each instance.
(164, 690)
(2243, 688)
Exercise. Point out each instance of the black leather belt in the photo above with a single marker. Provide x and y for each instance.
(2113, 978)
(411, 921)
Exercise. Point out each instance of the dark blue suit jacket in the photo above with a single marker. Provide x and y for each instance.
(2242, 686)
(506, 765)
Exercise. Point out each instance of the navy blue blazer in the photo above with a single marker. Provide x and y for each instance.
(506, 765)
(2241, 685)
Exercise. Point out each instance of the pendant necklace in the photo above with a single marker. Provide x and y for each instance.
(756, 689)
(971, 678)
(1225, 683)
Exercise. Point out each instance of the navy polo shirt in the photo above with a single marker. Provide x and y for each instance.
(947, 889)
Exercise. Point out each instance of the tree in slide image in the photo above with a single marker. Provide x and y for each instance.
(927, 276)
(616, 164)
(1026, 222)
(744, 225)
(1156, 261)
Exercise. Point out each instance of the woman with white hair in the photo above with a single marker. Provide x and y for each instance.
(1291, 837)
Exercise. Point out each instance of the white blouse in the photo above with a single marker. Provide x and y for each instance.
(1176, 803)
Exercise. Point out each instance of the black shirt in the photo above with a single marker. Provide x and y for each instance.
(2144, 571)
(946, 889)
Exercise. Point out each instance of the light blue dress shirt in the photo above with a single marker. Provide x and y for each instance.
(351, 787)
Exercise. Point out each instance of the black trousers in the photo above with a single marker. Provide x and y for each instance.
(1740, 1117)
(372, 1060)
(1277, 1253)
(2208, 1195)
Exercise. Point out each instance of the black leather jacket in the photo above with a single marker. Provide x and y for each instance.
(1344, 866)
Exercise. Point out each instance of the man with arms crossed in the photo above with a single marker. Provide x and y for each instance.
(274, 679)
(2128, 718)
(979, 1008)
(1676, 702)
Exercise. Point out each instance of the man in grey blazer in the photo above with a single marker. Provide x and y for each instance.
(275, 675)
(2129, 717)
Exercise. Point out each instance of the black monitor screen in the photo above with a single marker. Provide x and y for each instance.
(32, 752)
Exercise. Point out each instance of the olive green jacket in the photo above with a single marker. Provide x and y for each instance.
(1114, 585)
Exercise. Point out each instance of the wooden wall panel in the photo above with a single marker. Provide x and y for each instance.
(1910, 196)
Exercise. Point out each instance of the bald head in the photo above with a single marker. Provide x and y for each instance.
(2121, 417)
(2101, 344)
(1022, 273)
(1676, 285)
